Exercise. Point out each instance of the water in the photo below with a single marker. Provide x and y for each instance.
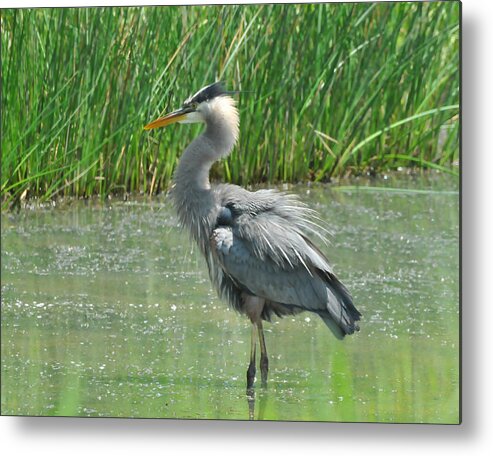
(107, 310)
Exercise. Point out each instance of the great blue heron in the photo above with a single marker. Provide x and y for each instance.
(255, 243)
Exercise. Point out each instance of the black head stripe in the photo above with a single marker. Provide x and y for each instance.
(207, 93)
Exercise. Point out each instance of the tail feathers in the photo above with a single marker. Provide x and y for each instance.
(333, 326)
(339, 329)
(344, 320)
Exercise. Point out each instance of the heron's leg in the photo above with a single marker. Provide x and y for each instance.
(251, 368)
(264, 359)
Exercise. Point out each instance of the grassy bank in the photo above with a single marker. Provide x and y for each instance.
(330, 90)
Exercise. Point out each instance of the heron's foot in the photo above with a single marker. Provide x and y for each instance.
(264, 369)
(251, 375)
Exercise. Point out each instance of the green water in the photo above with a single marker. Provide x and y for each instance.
(107, 310)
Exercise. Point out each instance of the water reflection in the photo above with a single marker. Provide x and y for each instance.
(257, 401)
(107, 310)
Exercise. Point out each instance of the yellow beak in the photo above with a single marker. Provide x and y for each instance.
(168, 119)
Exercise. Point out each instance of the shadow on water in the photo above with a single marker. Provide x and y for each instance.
(108, 311)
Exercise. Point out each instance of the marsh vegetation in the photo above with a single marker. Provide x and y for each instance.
(328, 90)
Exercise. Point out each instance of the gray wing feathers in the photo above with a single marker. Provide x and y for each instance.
(266, 253)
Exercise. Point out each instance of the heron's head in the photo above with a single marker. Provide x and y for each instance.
(211, 104)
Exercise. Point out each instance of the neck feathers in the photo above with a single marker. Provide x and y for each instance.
(221, 133)
(191, 192)
(222, 120)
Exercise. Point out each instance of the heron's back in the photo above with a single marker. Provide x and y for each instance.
(259, 247)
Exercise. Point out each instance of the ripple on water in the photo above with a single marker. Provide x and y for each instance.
(108, 311)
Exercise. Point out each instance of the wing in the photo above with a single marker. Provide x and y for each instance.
(263, 250)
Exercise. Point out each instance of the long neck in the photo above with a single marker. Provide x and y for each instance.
(192, 173)
(192, 194)
(217, 141)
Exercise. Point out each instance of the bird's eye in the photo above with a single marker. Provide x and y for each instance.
(190, 105)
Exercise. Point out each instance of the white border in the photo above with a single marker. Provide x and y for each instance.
(53, 436)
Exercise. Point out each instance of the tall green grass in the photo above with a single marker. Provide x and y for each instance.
(330, 90)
